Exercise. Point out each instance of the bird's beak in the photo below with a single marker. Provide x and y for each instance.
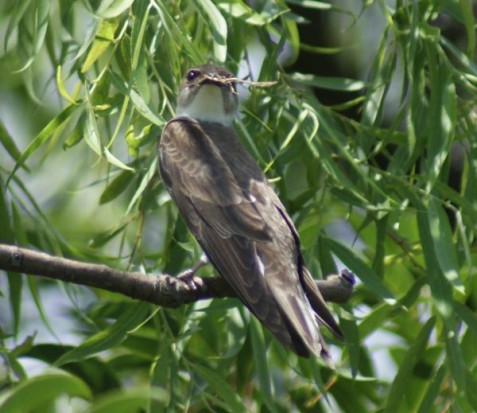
(212, 78)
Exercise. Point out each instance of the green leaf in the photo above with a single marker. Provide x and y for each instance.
(374, 319)
(99, 374)
(444, 244)
(433, 391)
(43, 136)
(7, 233)
(15, 284)
(261, 366)
(175, 32)
(466, 15)
(116, 187)
(441, 290)
(74, 137)
(464, 60)
(115, 161)
(131, 400)
(104, 237)
(243, 12)
(91, 132)
(133, 315)
(217, 25)
(468, 316)
(61, 86)
(442, 112)
(362, 271)
(138, 102)
(143, 108)
(102, 42)
(232, 400)
(18, 12)
(312, 4)
(8, 143)
(164, 372)
(137, 36)
(33, 393)
(113, 8)
(143, 185)
(382, 69)
(454, 356)
(329, 83)
(35, 293)
(470, 386)
(404, 374)
(32, 30)
(353, 339)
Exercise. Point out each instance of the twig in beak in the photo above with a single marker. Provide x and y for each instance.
(229, 81)
(252, 83)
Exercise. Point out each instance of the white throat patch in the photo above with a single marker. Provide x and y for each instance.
(207, 105)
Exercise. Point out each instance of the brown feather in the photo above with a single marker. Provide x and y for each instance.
(243, 228)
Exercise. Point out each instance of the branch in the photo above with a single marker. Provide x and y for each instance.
(160, 289)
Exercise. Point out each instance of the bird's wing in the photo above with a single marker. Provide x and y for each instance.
(323, 314)
(192, 167)
(221, 217)
(318, 303)
(231, 225)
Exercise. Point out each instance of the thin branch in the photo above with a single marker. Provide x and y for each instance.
(160, 289)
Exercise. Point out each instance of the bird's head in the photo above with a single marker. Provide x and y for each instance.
(208, 93)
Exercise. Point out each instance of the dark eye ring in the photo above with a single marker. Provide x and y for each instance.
(192, 74)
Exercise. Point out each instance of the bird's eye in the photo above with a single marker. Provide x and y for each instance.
(192, 74)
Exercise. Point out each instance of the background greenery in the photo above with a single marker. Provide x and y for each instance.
(378, 171)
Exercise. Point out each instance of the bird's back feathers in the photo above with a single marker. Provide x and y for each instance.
(244, 230)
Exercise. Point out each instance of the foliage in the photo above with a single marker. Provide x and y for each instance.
(95, 82)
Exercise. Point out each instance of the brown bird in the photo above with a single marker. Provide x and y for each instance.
(235, 215)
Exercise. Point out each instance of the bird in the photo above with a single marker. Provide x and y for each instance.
(235, 215)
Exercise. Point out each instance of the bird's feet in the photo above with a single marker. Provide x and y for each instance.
(188, 276)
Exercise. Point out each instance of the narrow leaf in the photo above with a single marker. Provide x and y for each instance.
(108, 337)
(32, 394)
(43, 136)
(61, 86)
(143, 185)
(330, 83)
(217, 24)
(413, 355)
(113, 8)
(433, 391)
(115, 161)
(441, 290)
(8, 143)
(32, 30)
(116, 187)
(444, 244)
(468, 316)
(454, 356)
(132, 400)
(362, 271)
(32, 283)
(261, 364)
(143, 108)
(103, 40)
(221, 388)
(442, 112)
(91, 132)
(18, 12)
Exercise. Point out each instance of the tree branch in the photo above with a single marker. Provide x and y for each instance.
(160, 289)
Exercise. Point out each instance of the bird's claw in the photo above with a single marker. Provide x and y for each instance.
(188, 277)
